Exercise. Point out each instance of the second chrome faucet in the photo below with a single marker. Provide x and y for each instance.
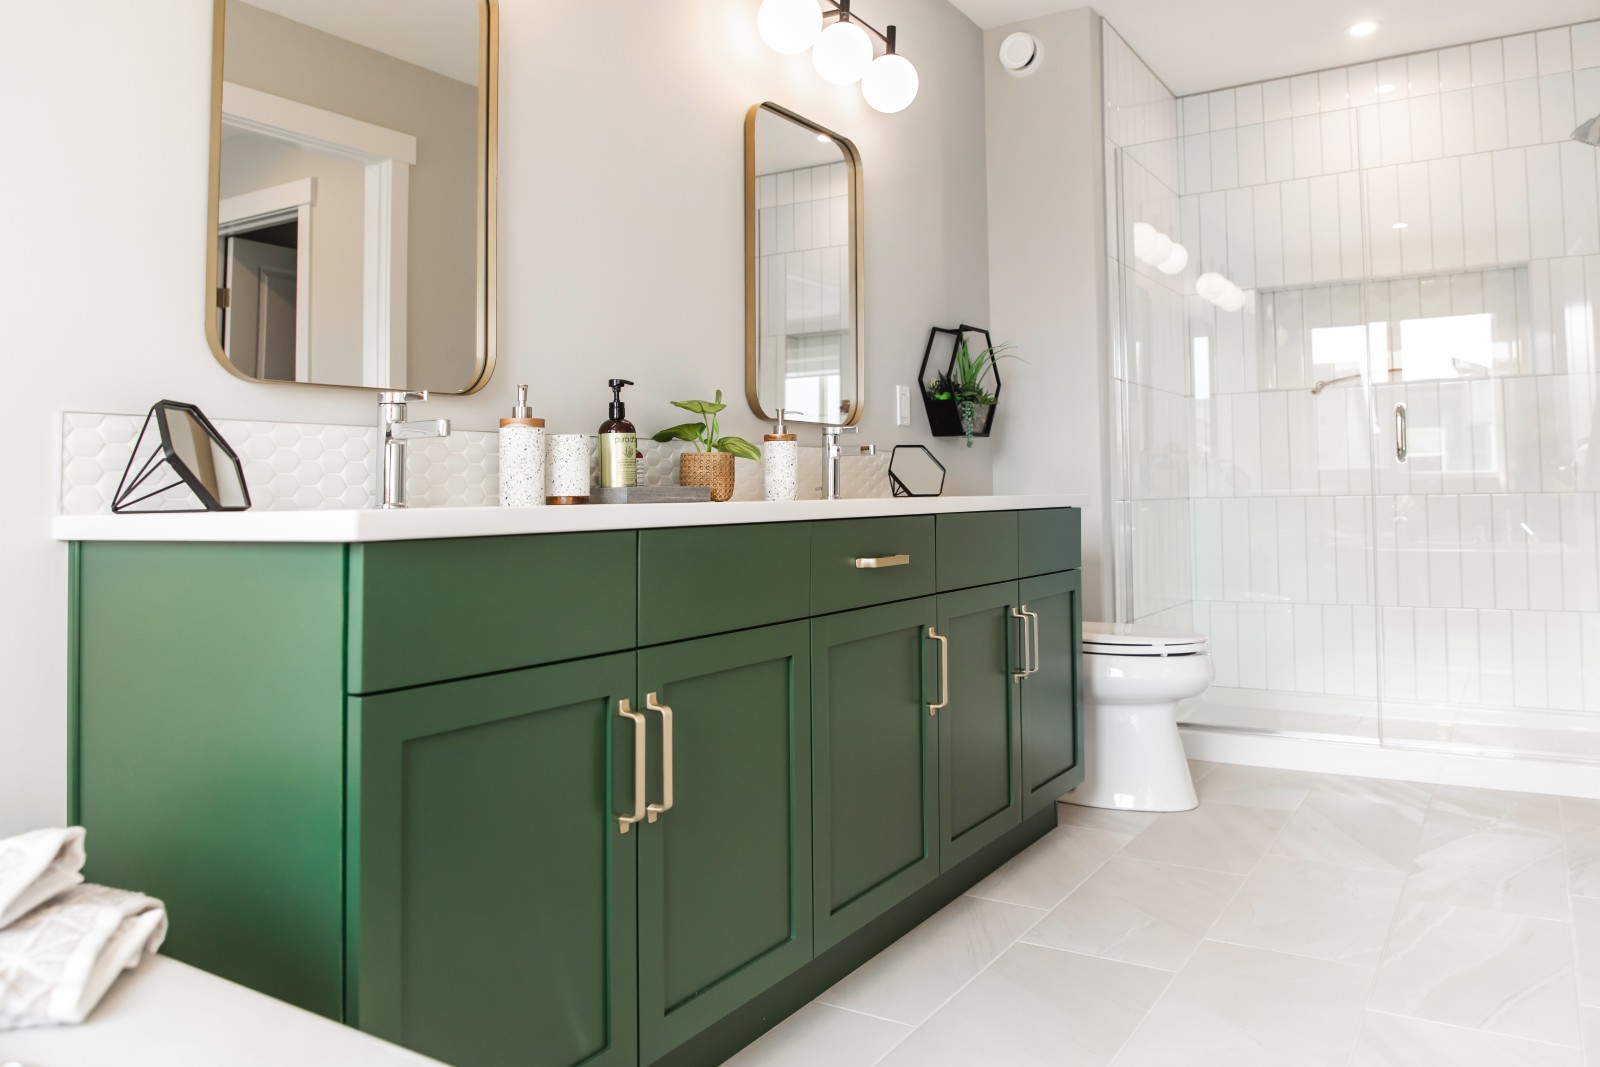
(832, 453)
(394, 430)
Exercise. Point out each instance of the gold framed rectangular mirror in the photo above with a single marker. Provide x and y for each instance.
(351, 234)
(804, 310)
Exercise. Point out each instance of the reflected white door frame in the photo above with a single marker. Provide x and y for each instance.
(291, 201)
(388, 156)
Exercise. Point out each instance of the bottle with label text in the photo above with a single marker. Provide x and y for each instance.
(619, 444)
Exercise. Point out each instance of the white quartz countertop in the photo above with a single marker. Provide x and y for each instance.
(168, 1014)
(416, 524)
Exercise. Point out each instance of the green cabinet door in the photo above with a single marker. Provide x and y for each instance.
(875, 763)
(1051, 738)
(492, 890)
(980, 740)
(725, 872)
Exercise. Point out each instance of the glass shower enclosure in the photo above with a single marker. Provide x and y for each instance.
(1355, 322)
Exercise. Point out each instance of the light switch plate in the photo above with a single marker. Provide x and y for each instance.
(902, 405)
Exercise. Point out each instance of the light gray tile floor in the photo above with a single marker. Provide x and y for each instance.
(1291, 919)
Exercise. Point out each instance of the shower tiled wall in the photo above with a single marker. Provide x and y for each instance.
(1431, 187)
(803, 263)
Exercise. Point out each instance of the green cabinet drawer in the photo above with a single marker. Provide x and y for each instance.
(716, 579)
(1049, 540)
(976, 548)
(840, 580)
(429, 611)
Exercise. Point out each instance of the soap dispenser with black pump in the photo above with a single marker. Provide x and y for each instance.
(619, 444)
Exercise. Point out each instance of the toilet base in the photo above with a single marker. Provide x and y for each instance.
(1134, 759)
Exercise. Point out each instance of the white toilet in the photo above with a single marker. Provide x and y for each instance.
(1133, 678)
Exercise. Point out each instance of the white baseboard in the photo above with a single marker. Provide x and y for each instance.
(1371, 760)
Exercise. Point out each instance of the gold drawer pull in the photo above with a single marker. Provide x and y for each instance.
(874, 563)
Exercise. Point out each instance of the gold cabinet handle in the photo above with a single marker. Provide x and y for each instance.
(944, 671)
(1033, 627)
(1022, 613)
(878, 563)
(666, 757)
(639, 742)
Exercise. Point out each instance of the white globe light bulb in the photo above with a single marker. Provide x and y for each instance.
(1158, 249)
(890, 84)
(1211, 285)
(1232, 299)
(1176, 260)
(1144, 235)
(789, 26)
(842, 54)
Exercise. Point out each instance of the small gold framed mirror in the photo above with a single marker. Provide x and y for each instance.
(351, 237)
(804, 312)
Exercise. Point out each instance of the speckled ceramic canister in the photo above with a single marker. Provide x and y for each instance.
(780, 456)
(522, 463)
(567, 460)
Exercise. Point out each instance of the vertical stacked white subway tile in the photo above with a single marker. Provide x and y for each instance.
(1436, 186)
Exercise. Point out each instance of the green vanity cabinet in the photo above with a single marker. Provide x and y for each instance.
(980, 737)
(491, 907)
(725, 871)
(1050, 695)
(388, 781)
(875, 762)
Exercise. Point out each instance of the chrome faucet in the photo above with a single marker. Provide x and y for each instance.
(393, 433)
(832, 453)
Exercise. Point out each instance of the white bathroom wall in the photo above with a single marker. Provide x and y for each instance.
(1468, 576)
(1048, 278)
(621, 232)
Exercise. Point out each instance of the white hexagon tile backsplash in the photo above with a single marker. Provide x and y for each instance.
(307, 466)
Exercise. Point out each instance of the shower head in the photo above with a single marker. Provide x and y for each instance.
(1589, 132)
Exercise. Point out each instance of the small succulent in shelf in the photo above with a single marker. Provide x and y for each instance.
(706, 435)
(965, 383)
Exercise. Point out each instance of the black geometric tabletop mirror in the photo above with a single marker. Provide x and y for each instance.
(185, 465)
(914, 472)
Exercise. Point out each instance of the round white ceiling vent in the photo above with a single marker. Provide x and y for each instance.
(1018, 52)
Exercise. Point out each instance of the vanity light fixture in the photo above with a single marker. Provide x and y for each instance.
(1363, 29)
(842, 49)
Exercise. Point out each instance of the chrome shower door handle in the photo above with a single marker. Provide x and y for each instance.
(944, 671)
(665, 806)
(639, 742)
(1401, 446)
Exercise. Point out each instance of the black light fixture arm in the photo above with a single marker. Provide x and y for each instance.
(840, 9)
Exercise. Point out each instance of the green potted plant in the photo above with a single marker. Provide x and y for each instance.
(711, 462)
(965, 386)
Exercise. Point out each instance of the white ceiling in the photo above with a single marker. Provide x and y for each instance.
(439, 35)
(1194, 46)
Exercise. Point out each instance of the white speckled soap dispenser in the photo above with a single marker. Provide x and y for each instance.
(780, 457)
(522, 456)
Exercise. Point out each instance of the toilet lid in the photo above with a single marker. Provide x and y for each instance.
(1133, 639)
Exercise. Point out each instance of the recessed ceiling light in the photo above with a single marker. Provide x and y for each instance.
(1386, 87)
(1363, 29)
(1401, 225)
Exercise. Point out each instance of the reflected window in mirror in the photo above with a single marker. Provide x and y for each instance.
(352, 178)
(803, 311)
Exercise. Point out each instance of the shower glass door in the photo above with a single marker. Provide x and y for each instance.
(1484, 280)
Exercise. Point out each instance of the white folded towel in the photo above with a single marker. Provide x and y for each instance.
(35, 867)
(58, 960)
